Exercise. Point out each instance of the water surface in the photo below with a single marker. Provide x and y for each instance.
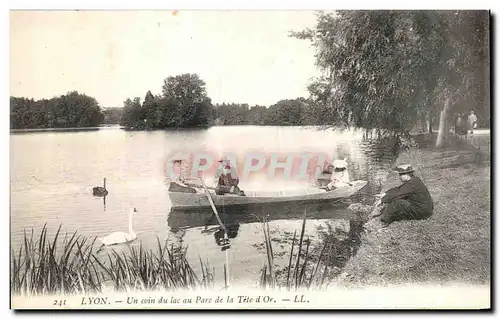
(52, 175)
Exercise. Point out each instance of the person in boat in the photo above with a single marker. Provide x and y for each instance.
(227, 180)
(340, 175)
(177, 184)
(220, 169)
(411, 200)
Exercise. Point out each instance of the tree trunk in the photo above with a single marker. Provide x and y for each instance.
(429, 122)
(443, 118)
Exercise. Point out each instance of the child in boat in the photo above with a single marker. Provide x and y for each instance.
(340, 175)
(228, 181)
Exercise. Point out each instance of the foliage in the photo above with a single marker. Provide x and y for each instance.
(387, 69)
(112, 115)
(183, 103)
(40, 268)
(294, 112)
(70, 110)
(143, 269)
(132, 113)
(70, 266)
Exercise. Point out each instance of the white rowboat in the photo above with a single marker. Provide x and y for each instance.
(182, 200)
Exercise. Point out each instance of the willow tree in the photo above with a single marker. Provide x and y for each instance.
(463, 71)
(386, 69)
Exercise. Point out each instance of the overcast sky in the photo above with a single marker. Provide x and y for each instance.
(244, 57)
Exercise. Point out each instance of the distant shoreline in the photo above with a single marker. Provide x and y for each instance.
(479, 131)
(63, 129)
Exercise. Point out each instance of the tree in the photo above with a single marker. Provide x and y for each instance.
(152, 111)
(183, 103)
(232, 114)
(257, 115)
(286, 112)
(112, 115)
(386, 69)
(78, 110)
(70, 110)
(314, 113)
(133, 113)
(186, 101)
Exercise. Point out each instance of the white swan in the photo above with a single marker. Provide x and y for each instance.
(120, 237)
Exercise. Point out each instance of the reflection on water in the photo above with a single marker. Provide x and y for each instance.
(52, 175)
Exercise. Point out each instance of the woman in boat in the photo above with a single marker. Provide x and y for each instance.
(340, 175)
(228, 182)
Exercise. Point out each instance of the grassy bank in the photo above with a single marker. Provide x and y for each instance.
(453, 246)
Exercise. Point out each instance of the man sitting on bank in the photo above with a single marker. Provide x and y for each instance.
(228, 180)
(411, 200)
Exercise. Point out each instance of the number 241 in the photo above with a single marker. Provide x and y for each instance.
(59, 302)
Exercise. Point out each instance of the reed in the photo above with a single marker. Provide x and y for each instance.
(45, 266)
(69, 266)
(309, 266)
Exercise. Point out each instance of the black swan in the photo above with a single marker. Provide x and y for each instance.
(100, 191)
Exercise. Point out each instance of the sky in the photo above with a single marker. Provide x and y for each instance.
(243, 56)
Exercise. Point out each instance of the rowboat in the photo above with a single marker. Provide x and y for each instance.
(197, 198)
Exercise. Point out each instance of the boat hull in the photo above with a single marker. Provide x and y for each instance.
(186, 201)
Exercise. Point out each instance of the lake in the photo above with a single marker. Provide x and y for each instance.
(52, 175)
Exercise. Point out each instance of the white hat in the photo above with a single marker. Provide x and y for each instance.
(340, 163)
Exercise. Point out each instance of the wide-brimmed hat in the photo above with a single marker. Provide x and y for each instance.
(404, 169)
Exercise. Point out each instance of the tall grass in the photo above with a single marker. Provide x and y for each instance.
(308, 266)
(69, 266)
(38, 267)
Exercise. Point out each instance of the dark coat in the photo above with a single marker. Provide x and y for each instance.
(415, 193)
(228, 180)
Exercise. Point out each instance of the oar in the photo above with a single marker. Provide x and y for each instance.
(212, 204)
(326, 187)
(199, 186)
(226, 239)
